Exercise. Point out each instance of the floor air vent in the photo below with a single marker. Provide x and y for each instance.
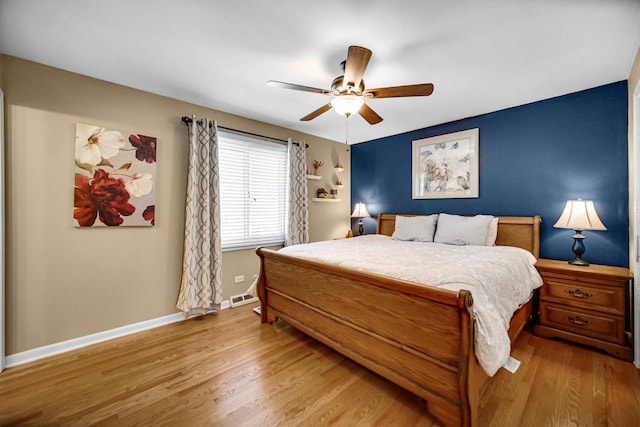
(242, 300)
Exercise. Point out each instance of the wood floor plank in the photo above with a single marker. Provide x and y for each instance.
(229, 370)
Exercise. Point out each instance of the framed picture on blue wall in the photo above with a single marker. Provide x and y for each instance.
(446, 166)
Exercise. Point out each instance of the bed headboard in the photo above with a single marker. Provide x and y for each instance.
(519, 231)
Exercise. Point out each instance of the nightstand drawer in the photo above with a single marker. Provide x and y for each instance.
(609, 299)
(587, 280)
(608, 328)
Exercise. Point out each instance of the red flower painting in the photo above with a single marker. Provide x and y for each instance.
(145, 147)
(103, 196)
(115, 178)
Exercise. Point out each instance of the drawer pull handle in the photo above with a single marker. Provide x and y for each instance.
(577, 320)
(577, 293)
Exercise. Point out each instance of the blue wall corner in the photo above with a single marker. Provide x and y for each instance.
(532, 158)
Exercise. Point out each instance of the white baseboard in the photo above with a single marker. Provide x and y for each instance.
(87, 340)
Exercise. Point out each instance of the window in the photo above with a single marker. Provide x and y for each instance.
(253, 190)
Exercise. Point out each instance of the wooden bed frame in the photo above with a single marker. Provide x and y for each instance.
(417, 336)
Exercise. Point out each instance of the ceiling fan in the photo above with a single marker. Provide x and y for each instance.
(349, 91)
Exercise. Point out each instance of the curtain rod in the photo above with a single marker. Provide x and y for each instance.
(186, 120)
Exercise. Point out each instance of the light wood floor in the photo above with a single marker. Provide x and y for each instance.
(229, 370)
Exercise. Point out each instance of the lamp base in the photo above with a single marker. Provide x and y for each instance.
(360, 228)
(578, 261)
(578, 249)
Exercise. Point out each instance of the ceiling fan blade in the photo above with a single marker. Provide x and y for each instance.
(283, 85)
(424, 89)
(357, 60)
(316, 113)
(369, 115)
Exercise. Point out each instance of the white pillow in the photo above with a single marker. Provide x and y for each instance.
(460, 230)
(417, 228)
(492, 234)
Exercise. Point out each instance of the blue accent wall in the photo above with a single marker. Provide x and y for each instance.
(532, 158)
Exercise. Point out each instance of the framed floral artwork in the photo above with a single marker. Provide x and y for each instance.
(446, 166)
(114, 178)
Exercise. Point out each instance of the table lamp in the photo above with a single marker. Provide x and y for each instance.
(360, 211)
(579, 215)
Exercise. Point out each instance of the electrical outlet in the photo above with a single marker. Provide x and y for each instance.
(239, 279)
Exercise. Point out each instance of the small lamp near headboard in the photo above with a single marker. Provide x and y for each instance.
(579, 215)
(360, 211)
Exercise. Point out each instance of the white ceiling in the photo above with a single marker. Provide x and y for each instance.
(481, 55)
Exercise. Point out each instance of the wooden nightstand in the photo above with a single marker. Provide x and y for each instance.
(586, 305)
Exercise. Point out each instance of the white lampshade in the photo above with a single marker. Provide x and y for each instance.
(347, 105)
(579, 215)
(360, 211)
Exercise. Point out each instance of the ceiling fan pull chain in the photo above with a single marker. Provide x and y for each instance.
(346, 138)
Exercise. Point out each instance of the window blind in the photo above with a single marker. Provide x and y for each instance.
(253, 189)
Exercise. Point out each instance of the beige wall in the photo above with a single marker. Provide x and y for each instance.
(64, 282)
(328, 218)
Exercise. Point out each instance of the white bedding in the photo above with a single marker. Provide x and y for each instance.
(500, 278)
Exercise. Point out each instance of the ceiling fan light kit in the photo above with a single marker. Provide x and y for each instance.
(347, 105)
(349, 90)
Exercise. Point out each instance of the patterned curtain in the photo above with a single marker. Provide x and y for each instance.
(201, 287)
(297, 227)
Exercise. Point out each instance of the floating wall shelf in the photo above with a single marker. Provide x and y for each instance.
(327, 199)
(314, 177)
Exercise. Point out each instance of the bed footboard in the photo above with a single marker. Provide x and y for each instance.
(421, 338)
